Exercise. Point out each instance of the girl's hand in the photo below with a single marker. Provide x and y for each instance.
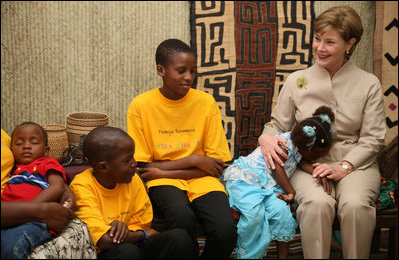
(150, 173)
(286, 197)
(327, 185)
(337, 174)
(118, 231)
(212, 166)
(269, 144)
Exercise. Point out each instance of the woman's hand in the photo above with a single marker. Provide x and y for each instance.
(271, 150)
(321, 170)
(334, 173)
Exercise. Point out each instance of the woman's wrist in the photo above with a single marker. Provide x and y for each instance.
(347, 166)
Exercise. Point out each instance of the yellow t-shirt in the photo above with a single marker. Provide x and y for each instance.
(98, 206)
(7, 159)
(165, 129)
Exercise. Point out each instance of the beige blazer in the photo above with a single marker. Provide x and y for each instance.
(355, 97)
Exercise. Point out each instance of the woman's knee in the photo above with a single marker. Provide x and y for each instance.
(356, 208)
(317, 207)
(357, 199)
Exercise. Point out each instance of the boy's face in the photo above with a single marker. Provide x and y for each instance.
(178, 75)
(28, 144)
(123, 166)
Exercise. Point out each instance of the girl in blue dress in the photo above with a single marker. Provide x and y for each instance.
(262, 195)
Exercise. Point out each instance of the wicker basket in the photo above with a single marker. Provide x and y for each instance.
(81, 123)
(57, 140)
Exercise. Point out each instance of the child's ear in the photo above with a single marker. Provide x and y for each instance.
(102, 165)
(160, 70)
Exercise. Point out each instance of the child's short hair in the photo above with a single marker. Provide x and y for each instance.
(44, 132)
(315, 131)
(169, 47)
(99, 145)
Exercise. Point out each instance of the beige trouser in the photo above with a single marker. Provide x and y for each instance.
(354, 198)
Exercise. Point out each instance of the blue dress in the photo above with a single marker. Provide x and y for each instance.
(252, 192)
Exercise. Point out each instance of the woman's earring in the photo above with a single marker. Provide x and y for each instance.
(347, 52)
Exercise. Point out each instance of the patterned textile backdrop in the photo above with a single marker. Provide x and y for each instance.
(386, 61)
(245, 50)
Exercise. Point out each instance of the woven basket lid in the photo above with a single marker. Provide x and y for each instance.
(54, 128)
(81, 123)
(87, 119)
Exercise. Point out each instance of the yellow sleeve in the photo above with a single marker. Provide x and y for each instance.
(89, 209)
(5, 138)
(141, 216)
(216, 145)
(7, 159)
(135, 130)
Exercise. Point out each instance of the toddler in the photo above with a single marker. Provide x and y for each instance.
(36, 178)
(261, 195)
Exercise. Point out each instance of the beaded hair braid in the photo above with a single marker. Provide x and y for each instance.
(315, 131)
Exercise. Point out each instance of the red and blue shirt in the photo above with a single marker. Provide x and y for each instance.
(27, 181)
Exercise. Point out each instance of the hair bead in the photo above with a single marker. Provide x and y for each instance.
(325, 118)
(310, 132)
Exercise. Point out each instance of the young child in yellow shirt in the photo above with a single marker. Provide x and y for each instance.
(112, 200)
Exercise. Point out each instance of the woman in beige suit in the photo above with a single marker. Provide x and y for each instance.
(355, 97)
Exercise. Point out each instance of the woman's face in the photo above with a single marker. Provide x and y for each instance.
(329, 50)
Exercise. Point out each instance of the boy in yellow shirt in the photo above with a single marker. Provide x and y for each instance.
(181, 150)
(112, 200)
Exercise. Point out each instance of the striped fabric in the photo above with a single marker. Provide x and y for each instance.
(295, 247)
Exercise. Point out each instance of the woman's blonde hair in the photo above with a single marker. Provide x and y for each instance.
(345, 20)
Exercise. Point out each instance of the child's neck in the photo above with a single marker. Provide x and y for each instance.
(104, 182)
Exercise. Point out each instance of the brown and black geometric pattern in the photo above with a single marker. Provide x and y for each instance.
(245, 50)
(386, 62)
